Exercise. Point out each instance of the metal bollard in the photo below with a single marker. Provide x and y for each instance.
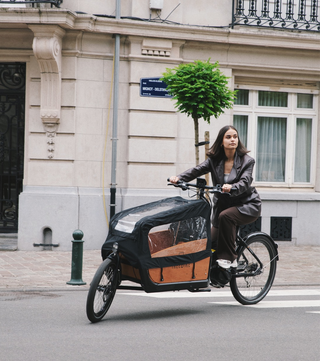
(77, 257)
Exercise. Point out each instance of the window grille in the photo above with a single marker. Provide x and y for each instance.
(281, 228)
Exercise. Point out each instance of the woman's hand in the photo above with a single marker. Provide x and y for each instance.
(174, 179)
(226, 188)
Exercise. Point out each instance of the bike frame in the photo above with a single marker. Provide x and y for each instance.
(242, 243)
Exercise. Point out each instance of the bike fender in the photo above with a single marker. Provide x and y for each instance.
(253, 234)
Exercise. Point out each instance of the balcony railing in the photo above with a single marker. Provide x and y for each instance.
(284, 14)
(55, 3)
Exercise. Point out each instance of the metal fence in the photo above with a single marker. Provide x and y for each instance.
(284, 14)
(20, 3)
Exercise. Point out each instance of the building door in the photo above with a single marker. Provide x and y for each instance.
(12, 115)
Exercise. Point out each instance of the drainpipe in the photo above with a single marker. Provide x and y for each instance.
(233, 15)
(113, 187)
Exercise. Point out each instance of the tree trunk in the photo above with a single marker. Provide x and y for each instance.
(206, 149)
(196, 139)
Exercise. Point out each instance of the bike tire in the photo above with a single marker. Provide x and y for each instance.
(249, 290)
(102, 290)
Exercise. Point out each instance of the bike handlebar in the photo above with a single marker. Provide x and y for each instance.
(202, 186)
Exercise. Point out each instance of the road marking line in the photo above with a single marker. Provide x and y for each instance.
(305, 292)
(276, 304)
(224, 294)
(220, 293)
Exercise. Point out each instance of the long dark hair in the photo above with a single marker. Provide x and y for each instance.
(217, 151)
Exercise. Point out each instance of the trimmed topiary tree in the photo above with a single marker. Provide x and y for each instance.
(200, 90)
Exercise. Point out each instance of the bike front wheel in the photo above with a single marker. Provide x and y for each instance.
(256, 270)
(102, 290)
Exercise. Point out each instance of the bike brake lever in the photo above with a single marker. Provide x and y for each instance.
(183, 186)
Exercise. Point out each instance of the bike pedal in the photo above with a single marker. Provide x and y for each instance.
(240, 268)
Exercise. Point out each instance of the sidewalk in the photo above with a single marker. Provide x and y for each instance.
(29, 270)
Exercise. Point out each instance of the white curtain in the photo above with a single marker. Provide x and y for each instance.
(271, 149)
(304, 101)
(240, 122)
(242, 97)
(273, 99)
(303, 150)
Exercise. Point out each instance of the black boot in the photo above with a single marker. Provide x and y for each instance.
(219, 277)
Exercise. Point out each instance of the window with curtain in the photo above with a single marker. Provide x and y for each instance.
(240, 122)
(242, 97)
(271, 149)
(273, 99)
(303, 150)
(305, 101)
(278, 128)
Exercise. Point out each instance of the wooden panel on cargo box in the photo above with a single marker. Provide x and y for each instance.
(182, 248)
(181, 273)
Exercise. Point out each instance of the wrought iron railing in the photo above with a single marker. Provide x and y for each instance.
(55, 3)
(284, 14)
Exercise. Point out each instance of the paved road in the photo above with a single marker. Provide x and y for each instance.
(178, 326)
(43, 318)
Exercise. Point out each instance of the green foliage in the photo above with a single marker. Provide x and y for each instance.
(200, 89)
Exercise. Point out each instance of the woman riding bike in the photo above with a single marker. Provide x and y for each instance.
(230, 165)
(165, 245)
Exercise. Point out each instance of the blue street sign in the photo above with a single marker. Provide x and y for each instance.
(153, 87)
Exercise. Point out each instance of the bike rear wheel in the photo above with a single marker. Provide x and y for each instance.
(255, 272)
(102, 290)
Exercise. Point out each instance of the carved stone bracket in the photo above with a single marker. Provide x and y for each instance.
(47, 45)
(51, 131)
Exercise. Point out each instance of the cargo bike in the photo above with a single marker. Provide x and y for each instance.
(166, 246)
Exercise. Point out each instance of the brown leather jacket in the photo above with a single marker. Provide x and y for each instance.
(244, 197)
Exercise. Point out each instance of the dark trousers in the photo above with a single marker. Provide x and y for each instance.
(224, 237)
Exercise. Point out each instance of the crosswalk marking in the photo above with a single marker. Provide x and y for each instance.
(271, 301)
(222, 293)
(306, 292)
(276, 304)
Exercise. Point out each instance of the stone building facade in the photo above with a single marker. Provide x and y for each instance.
(61, 59)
